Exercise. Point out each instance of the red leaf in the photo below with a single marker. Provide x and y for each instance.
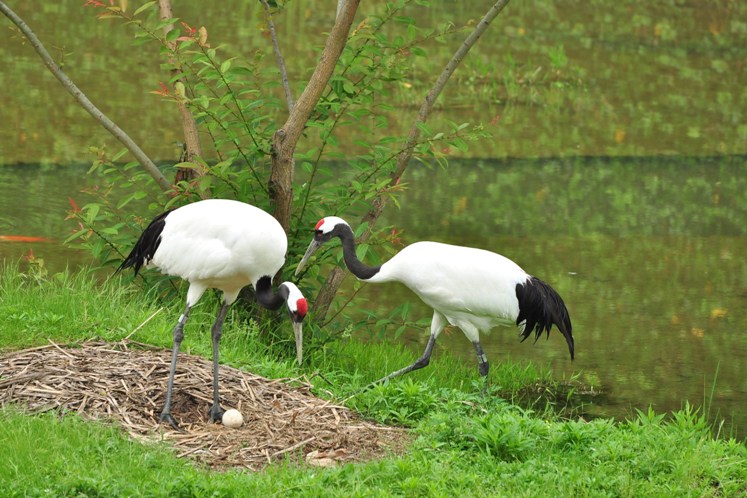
(73, 204)
(190, 31)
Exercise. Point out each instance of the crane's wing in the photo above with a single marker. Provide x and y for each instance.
(458, 280)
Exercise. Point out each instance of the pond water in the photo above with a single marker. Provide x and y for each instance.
(647, 253)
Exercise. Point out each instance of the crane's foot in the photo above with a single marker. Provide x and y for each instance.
(166, 417)
(216, 413)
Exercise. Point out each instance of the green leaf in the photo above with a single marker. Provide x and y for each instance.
(165, 23)
(361, 251)
(424, 129)
(405, 311)
(92, 210)
(173, 35)
(143, 7)
(119, 154)
(361, 228)
(187, 165)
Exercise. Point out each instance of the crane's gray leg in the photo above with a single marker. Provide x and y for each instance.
(216, 412)
(482, 364)
(437, 325)
(178, 337)
(482, 359)
(421, 362)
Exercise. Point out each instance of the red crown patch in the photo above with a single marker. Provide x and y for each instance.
(302, 306)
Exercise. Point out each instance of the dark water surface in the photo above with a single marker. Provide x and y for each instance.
(648, 254)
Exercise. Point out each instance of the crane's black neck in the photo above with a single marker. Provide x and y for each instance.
(356, 267)
(266, 297)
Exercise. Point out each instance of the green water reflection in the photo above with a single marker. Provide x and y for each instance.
(547, 79)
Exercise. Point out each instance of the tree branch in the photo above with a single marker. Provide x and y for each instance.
(332, 284)
(191, 135)
(285, 139)
(281, 62)
(76, 92)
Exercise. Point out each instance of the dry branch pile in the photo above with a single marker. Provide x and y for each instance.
(126, 382)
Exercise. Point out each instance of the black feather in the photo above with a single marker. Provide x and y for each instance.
(146, 245)
(541, 307)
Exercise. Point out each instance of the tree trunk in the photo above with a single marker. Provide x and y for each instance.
(286, 138)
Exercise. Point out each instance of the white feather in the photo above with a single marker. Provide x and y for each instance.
(472, 288)
(206, 243)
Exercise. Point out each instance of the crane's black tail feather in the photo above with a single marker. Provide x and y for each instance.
(146, 245)
(540, 306)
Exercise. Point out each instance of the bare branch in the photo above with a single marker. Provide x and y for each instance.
(329, 289)
(281, 62)
(78, 94)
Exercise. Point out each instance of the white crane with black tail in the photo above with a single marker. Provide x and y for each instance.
(469, 288)
(225, 245)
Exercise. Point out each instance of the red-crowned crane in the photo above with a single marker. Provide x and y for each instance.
(225, 245)
(469, 288)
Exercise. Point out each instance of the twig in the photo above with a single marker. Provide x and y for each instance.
(142, 324)
(59, 348)
(291, 448)
(281, 62)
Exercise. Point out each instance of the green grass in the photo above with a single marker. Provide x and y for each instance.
(464, 444)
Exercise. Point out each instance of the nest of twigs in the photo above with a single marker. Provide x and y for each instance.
(125, 382)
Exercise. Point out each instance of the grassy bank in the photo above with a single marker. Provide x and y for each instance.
(463, 444)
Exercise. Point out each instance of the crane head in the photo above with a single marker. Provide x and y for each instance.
(325, 229)
(297, 308)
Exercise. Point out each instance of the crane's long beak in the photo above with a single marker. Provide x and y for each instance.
(298, 332)
(309, 252)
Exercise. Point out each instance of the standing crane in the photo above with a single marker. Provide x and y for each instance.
(220, 244)
(469, 288)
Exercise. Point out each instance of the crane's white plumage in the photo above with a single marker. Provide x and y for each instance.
(225, 245)
(432, 271)
(221, 244)
(469, 288)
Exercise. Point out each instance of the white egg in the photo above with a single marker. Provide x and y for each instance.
(232, 418)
